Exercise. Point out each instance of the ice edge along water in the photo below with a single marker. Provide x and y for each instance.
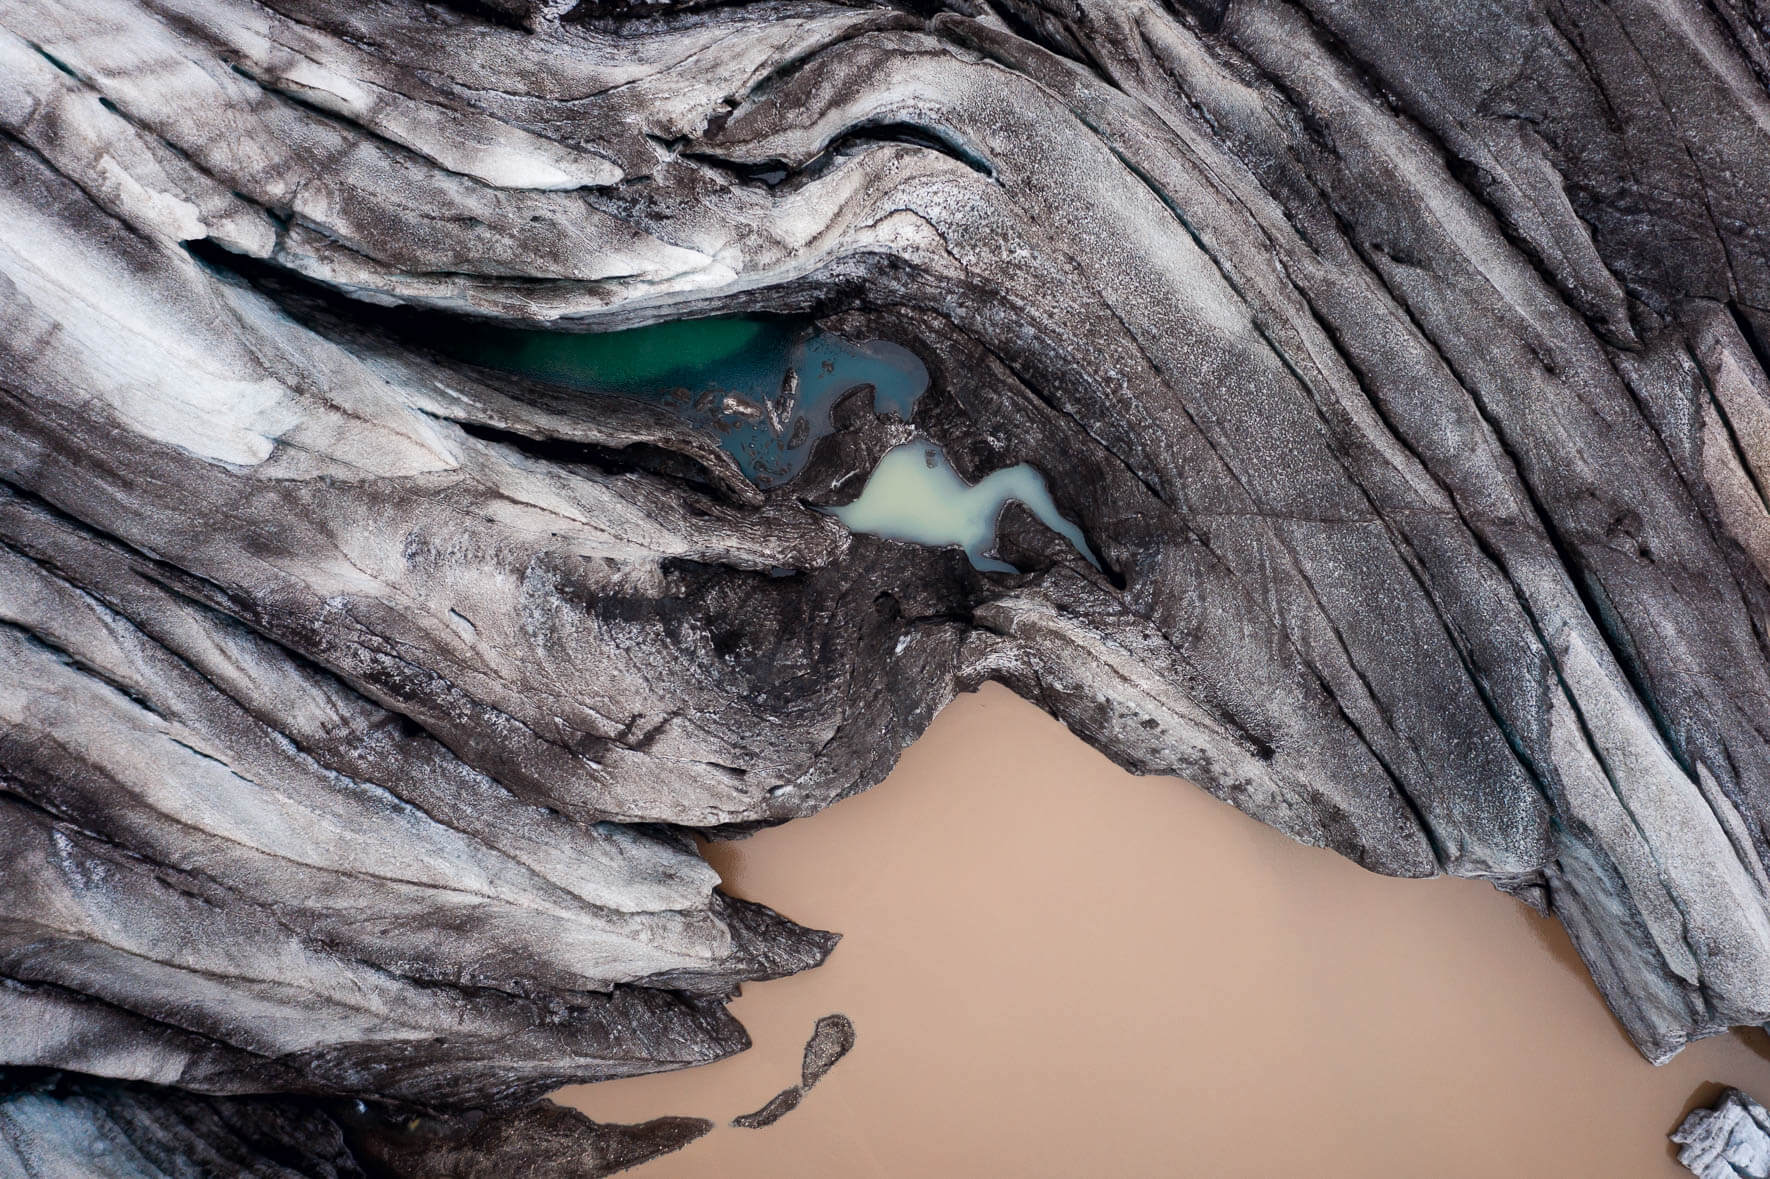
(767, 392)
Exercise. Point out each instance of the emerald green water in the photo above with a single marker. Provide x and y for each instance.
(763, 387)
(626, 360)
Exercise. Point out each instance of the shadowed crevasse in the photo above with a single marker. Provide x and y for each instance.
(1403, 373)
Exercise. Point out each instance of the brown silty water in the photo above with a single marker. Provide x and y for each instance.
(1056, 968)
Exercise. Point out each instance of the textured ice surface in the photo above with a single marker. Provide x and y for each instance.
(1731, 1140)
